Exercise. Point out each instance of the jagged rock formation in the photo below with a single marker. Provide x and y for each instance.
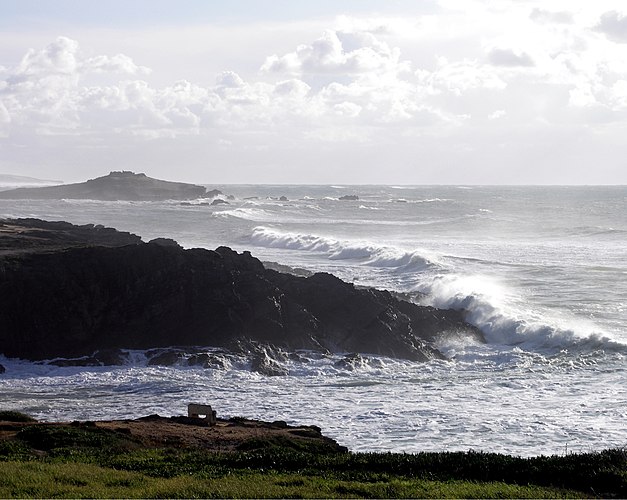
(76, 298)
(122, 185)
(34, 235)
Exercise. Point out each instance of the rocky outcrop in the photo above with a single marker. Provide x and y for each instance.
(79, 299)
(34, 235)
(219, 201)
(122, 185)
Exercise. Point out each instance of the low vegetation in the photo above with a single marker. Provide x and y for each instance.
(15, 416)
(82, 460)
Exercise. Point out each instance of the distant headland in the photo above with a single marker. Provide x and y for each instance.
(120, 185)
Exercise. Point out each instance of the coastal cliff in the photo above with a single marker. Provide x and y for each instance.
(69, 291)
(122, 185)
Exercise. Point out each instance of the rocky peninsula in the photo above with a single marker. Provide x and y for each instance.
(122, 185)
(86, 292)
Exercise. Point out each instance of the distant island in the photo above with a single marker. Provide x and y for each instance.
(122, 185)
(9, 180)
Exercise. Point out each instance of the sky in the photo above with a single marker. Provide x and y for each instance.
(301, 92)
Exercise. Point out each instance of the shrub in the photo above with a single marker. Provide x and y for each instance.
(15, 416)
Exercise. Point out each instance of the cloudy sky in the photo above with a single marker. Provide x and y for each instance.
(331, 91)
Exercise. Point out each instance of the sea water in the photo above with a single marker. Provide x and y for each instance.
(542, 271)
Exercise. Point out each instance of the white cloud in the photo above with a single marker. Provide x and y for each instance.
(460, 76)
(292, 88)
(115, 64)
(495, 115)
(447, 83)
(5, 120)
(614, 25)
(508, 57)
(547, 16)
(338, 53)
(58, 57)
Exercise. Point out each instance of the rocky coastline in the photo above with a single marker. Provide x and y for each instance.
(88, 292)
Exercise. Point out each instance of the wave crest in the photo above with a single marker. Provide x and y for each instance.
(509, 320)
(366, 253)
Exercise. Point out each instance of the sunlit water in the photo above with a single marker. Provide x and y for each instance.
(542, 271)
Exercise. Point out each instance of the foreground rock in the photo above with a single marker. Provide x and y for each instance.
(76, 298)
(154, 431)
(122, 185)
(34, 235)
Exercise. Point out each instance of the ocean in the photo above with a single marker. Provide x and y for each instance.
(542, 271)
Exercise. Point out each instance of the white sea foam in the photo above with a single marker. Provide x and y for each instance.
(508, 319)
(247, 213)
(426, 200)
(505, 318)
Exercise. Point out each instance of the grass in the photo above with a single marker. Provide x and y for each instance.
(81, 460)
(70, 480)
(15, 416)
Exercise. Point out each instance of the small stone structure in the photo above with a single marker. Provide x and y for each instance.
(195, 410)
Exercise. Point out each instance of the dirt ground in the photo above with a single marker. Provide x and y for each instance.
(182, 432)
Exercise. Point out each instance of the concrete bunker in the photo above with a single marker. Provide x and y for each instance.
(205, 412)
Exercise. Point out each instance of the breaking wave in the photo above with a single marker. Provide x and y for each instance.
(364, 252)
(504, 316)
(508, 319)
(427, 200)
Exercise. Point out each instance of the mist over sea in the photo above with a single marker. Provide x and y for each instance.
(541, 270)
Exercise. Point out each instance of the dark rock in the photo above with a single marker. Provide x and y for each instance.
(351, 362)
(111, 357)
(84, 361)
(204, 360)
(122, 185)
(349, 197)
(198, 422)
(2, 369)
(76, 300)
(199, 360)
(264, 364)
(166, 358)
(219, 201)
(152, 418)
(165, 242)
(283, 198)
(213, 193)
(294, 356)
(34, 235)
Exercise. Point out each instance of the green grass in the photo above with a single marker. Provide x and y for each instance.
(70, 480)
(81, 460)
